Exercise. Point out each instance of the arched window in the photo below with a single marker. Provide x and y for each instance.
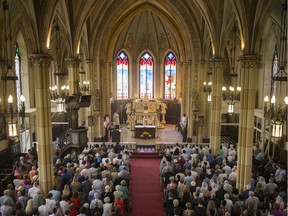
(18, 74)
(122, 76)
(275, 69)
(170, 76)
(146, 75)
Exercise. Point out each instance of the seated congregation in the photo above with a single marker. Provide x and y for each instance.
(96, 182)
(197, 182)
(193, 181)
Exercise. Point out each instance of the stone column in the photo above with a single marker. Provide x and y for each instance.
(73, 74)
(105, 86)
(215, 128)
(249, 74)
(43, 118)
(91, 130)
(203, 107)
(73, 77)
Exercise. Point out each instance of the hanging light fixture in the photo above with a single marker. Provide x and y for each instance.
(9, 74)
(84, 86)
(231, 95)
(58, 95)
(275, 110)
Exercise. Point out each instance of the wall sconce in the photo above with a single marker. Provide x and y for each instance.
(208, 89)
(85, 86)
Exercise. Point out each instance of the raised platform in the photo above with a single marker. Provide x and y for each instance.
(146, 151)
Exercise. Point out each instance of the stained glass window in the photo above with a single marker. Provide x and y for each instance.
(170, 76)
(122, 76)
(275, 69)
(146, 75)
(18, 74)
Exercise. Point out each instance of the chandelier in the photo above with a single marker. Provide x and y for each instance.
(274, 109)
(231, 94)
(58, 97)
(207, 86)
(84, 86)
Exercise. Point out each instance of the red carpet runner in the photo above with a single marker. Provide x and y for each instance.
(145, 190)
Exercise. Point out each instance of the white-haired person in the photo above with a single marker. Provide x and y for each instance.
(229, 202)
(108, 193)
(96, 202)
(107, 207)
(252, 201)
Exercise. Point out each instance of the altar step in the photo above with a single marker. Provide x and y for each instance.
(146, 151)
(142, 154)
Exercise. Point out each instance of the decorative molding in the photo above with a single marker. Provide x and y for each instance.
(72, 62)
(202, 64)
(40, 60)
(250, 61)
(96, 100)
(88, 62)
(218, 63)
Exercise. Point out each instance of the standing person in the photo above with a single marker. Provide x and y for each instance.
(106, 128)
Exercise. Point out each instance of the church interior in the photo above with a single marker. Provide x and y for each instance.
(82, 72)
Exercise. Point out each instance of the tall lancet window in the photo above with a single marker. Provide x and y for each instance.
(122, 76)
(146, 75)
(275, 69)
(170, 76)
(18, 74)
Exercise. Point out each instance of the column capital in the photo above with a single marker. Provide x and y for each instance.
(39, 60)
(218, 62)
(72, 62)
(250, 61)
(202, 63)
(88, 61)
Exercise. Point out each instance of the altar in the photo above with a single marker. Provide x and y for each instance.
(139, 129)
(143, 112)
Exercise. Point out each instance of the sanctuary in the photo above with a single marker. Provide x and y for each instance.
(145, 112)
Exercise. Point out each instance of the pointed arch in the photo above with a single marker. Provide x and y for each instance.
(146, 75)
(122, 64)
(170, 74)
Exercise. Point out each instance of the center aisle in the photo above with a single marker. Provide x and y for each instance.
(146, 198)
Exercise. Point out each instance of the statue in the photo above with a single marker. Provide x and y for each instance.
(163, 112)
(132, 121)
(128, 111)
(116, 120)
(163, 108)
(128, 107)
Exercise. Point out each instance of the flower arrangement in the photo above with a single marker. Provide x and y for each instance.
(145, 135)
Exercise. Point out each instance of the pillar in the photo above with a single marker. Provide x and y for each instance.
(105, 86)
(94, 131)
(203, 103)
(73, 77)
(73, 74)
(43, 118)
(249, 75)
(216, 103)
